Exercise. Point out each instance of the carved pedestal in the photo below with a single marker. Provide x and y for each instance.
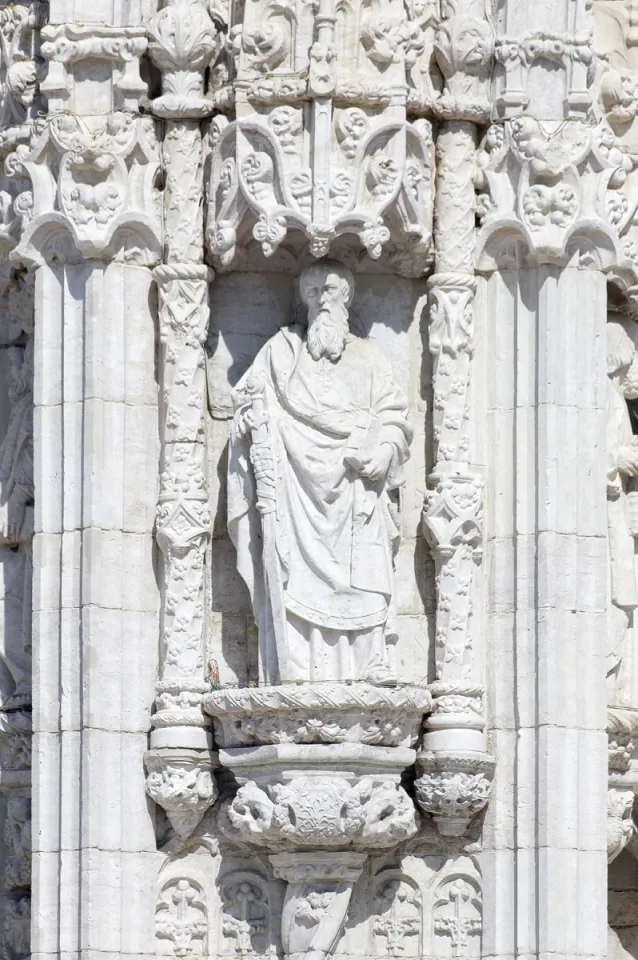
(319, 770)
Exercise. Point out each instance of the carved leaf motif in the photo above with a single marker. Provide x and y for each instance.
(181, 917)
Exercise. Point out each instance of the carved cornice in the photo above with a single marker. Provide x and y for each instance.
(318, 713)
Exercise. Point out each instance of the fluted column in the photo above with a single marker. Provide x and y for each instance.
(90, 232)
(544, 243)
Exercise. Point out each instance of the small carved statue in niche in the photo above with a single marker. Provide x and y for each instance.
(319, 439)
(16, 506)
(622, 501)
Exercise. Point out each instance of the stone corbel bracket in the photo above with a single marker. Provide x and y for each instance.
(319, 769)
(454, 773)
(622, 734)
(69, 46)
(260, 182)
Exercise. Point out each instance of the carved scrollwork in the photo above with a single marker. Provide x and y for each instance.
(257, 171)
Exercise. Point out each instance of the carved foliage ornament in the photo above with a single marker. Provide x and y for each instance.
(550, 186)
(383, 177)
(318, 811)
(181, 916)
(183, 42)
(101, 200)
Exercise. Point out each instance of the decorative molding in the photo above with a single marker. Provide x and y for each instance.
(68, 45)
(318, 713)
(101, 204)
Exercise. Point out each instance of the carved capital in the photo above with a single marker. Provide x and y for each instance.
(454, 787)
(181, 782)
(464, 49)
(183, 40)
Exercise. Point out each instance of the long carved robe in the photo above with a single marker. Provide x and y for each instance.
(335, 533)
(622, 590)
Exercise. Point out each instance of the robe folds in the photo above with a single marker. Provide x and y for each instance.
(335, 531)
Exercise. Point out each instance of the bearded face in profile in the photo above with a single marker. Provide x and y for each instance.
(326, 291)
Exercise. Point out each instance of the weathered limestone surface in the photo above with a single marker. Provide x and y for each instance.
(318, 479)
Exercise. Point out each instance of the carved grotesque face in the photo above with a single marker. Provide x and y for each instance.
(473, 44)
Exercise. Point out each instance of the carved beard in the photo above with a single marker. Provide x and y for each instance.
(327, 333)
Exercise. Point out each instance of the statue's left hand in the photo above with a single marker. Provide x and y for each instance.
(375, 467)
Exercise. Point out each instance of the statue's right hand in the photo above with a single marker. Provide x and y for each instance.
(262, 462)
(245, 421)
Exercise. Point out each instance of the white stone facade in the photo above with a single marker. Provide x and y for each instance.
(318, 479)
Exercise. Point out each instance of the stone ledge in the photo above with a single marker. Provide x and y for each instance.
(318, 713)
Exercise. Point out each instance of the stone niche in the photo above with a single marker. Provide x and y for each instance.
(390, 309)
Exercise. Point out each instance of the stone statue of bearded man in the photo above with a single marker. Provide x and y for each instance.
(319, 439)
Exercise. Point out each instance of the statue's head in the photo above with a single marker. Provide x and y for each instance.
(327, 289)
